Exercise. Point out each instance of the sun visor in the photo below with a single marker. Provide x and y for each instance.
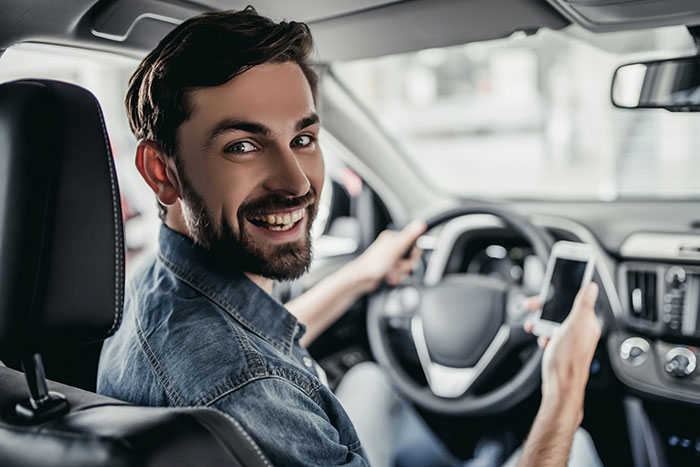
(419, 24)
(618, 15)
(342, 29)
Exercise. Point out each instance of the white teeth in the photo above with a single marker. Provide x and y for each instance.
(296, 215)
(280, 227)
(281, 221)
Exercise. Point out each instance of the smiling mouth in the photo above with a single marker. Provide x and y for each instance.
(278, 222)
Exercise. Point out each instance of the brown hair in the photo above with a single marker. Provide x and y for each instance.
(204, 51)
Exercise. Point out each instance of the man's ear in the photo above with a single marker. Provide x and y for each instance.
(153, 165)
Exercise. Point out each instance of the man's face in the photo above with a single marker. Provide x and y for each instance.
(251, 170)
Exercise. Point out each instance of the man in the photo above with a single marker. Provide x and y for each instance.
(224, 109)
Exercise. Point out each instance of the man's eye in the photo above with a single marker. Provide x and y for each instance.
(240, 147)
(303, 141)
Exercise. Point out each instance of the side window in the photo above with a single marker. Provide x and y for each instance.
(347, 219)
(106, 76)
(352, 213)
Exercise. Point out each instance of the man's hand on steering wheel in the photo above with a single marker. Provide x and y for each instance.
(384, 259)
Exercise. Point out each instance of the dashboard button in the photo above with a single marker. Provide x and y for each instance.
(673, 440)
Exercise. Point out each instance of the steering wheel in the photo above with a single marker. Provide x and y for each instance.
(462, 325)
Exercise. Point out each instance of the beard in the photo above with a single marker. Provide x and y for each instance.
(237, 251)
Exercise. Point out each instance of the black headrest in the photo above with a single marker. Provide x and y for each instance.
(61, 241)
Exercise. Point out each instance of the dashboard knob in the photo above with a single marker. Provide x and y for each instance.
(634, 350)
(680, 362)
(675, 276)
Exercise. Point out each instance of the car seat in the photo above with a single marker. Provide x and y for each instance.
(62, 287)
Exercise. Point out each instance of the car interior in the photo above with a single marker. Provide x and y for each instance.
(507, 125)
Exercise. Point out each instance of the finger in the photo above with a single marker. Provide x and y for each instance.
(529, 325)
(394, 279)
(404, 266)
(416, 253)
(409, 235)
(585, 299)
(532, 303)
(542, 341)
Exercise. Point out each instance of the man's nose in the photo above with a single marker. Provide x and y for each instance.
(286, 174)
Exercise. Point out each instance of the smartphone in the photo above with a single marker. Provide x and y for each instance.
(570, 267)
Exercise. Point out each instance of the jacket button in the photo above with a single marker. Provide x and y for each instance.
(308, 362)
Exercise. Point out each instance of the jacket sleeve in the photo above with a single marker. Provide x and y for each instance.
(289, 426)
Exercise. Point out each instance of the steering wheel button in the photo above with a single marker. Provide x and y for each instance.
(410, 298)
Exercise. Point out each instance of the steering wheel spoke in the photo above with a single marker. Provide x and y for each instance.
(450, 382)
(516, 317)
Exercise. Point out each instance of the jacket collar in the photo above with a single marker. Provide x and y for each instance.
(240, 297)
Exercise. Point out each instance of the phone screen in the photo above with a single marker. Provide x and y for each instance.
(566, 282)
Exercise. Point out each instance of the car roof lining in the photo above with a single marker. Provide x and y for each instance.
(343, 29)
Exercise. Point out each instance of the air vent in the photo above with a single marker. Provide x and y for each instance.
(641, 286)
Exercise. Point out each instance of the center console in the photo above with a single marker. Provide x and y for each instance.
(661, 305)
(655, 353)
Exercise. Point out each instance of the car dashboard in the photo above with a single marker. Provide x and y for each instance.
(649, 308)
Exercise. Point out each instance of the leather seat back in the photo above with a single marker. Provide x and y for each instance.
(62, 287)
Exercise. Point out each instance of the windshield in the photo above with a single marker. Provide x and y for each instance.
(531, 117)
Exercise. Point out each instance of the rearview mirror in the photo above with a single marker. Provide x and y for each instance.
(672, 84)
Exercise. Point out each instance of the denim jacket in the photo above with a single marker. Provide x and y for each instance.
(195, 336)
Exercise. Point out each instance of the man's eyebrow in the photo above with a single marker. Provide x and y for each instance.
(236, 125)
(308, 121)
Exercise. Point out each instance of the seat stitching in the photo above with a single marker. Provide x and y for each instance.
(119, 271)
(238, 426)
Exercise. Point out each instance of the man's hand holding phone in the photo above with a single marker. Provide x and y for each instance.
(569, 352)
(565, 369)
(568, 319)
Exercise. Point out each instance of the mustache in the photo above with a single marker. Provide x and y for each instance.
(275, 202)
